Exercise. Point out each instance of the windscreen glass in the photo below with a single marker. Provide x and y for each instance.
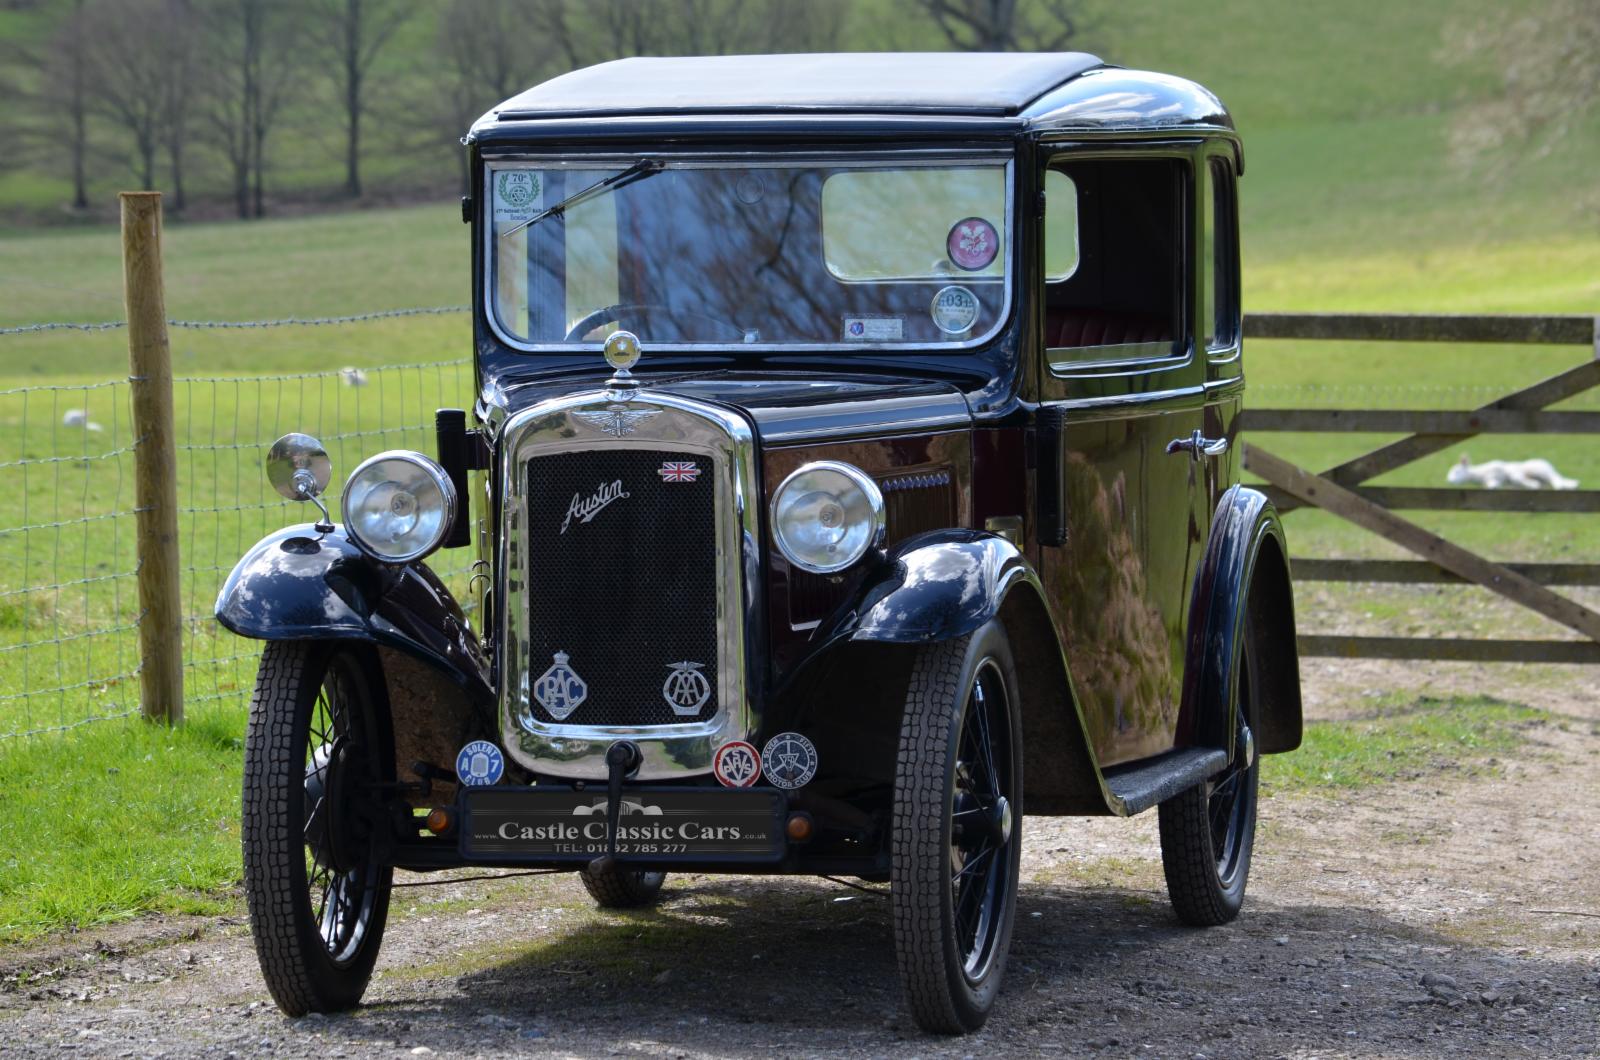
(819, 254)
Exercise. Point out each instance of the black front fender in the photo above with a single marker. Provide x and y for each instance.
(938, 585)
(298, 584)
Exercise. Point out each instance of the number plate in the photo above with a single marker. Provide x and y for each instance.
(655, 823)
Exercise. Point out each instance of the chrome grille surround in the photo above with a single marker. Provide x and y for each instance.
(727, 441)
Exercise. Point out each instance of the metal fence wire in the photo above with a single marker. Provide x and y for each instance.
(69, 605)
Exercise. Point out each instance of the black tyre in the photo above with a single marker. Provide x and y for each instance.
(617, 887)
(1208, 832)
(957, 841)
(317, 745)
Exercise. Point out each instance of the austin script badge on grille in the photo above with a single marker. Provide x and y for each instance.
(587, 509)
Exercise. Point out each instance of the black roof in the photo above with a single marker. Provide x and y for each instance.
(853, 95)
(995, 84)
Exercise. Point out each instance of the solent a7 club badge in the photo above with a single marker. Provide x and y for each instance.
(479, 764)
(736, 764)
(789, 760)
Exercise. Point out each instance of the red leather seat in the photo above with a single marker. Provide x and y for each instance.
(1094, 327)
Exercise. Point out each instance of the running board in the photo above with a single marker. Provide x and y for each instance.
(1137, 787)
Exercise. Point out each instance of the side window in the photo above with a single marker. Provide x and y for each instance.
(1220, 308)
(1115, 253)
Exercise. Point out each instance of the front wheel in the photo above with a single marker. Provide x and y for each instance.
(317, 747)
(957, 845)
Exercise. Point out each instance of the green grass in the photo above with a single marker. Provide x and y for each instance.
(1402, 740)
(119, 819)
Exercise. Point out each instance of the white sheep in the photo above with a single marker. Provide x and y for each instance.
(80, 418)
(353, 376)
(1516, 474)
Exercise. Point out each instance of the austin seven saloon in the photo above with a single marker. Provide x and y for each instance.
(852, 469)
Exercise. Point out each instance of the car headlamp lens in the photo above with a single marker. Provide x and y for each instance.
(826, 515)
(398, 506)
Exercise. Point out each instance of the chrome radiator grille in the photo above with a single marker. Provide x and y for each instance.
(622, 587)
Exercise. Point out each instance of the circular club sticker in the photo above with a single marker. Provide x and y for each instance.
(736, 764)
(954, 310)
(789, 760)
(480, 764)
(972, 243)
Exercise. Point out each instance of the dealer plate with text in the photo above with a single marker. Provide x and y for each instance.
(655, 823)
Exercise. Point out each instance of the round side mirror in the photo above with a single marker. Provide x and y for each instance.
(298, 467)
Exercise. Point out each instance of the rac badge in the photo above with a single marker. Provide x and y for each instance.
(686, 688)
(559, 690)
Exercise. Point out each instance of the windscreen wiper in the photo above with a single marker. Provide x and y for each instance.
(643, 168)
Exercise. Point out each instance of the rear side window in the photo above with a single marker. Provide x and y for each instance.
(1124, 297)
(1219, 313)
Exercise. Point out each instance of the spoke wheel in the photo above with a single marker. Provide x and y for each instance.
(957, 840)
(317, 745)
(1208, 832)
(618, 887)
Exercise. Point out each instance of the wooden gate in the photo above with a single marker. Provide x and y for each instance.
(1342, 491)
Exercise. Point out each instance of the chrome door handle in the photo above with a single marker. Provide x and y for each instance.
(1198, 445)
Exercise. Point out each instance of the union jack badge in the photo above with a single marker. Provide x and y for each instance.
(679, 471)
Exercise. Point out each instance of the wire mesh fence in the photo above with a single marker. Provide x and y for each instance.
(69, 609)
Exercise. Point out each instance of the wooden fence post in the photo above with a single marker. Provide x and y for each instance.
(155, 460)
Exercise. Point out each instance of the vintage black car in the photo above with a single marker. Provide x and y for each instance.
(852, 468)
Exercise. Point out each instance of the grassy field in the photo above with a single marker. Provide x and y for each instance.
(1350, 202)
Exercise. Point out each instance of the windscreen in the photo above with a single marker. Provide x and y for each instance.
(815, 254)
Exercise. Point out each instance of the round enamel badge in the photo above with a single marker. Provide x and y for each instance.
(972, 243)
(789, 760)
(480, 764)
(736, 764)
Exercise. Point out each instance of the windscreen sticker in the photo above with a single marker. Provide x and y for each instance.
(954, 310)
(972, 243)
(518, 195)
(873, 329)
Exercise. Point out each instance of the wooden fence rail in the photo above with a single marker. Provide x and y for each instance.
(1341, 490)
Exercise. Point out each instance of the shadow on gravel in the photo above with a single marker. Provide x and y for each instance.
(727, 967)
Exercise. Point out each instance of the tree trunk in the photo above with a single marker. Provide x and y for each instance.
(175, 160)
(352, 160)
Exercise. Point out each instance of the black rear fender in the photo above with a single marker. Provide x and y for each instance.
(1245, 572)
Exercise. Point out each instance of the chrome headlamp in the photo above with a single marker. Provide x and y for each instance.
(398, 506)
(826, 515)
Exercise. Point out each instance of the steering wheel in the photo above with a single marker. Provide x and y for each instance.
(614, 314)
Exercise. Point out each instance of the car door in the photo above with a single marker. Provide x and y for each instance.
(1122, 401)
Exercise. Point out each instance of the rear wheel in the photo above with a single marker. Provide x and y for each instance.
(317, 745)
(614, 886)
(1208, 832)
(957, 842)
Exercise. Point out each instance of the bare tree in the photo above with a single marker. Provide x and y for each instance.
(1548, 57)
(1004, 25)
(488, 51)
(45, 86)
(590, 31)
(251, 50)
(351, 35)
(139, 55)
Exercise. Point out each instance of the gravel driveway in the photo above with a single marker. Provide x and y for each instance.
(1454, 915)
